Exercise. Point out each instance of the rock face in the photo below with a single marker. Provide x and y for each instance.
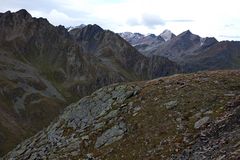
(111, 135)
(89, 122)
(131, 121)
(43, 68)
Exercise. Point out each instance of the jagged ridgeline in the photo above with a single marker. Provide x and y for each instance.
(44, 68)
(190, 51)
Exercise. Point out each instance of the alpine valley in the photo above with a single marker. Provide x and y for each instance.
(88, 93)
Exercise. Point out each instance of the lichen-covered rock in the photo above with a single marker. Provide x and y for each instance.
(79, 123)
(171, 104)
(111, 135)
(201, 122)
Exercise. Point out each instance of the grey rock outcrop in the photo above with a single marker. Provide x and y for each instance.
(171, 104)
(201, 122)
(111, 135)
(77, 126)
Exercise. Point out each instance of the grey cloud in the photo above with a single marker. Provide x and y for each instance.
(152, 20)
(180, 20)
(43, 5)
(230, 37)
(229, 25)
(44, 8)
(133, 22)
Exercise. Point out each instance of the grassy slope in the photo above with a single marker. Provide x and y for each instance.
(155, 131)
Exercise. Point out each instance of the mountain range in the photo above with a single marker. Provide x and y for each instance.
(43, 68)
(48, 75)
(146, 44)
(190, 51)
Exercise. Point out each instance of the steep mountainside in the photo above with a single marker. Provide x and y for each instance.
(149, 43)
(44, 67)
(222, 55)
(114, 52)
(184, 45)
(188, 116)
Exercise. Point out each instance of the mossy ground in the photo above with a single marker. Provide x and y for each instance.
(154, 132)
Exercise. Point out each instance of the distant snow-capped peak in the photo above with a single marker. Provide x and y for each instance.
(80, 26)
(167, 35)
(130, 35)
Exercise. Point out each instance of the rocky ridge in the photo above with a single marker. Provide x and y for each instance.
(94, 116)
(188, 116)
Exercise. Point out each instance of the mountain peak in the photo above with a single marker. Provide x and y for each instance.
(76, 27)
(167, 35)
(13, 16)
(151, 35)
(189, 35)
(166, 31)
(186, 33)
(23, 13)
(127, 35)
(86, 33)
(93, 28)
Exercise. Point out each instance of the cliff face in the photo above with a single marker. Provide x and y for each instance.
(43, 68)
(183, 116)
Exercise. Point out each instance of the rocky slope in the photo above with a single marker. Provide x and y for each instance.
(222, 55)
(188, 116)
(44, 67)
(184, 45)
(146, 44)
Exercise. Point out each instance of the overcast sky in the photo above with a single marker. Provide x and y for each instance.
(218, 18)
